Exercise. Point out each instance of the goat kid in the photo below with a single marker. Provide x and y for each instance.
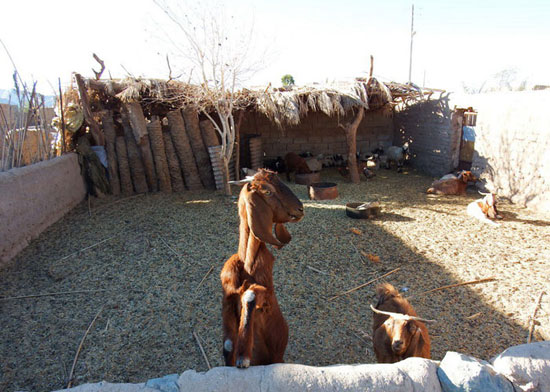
(483, 209)
(452, 185)
(254, 329)
(397, 331)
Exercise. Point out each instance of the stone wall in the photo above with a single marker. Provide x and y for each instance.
(33, 197)
(316, 133)
(433, 133)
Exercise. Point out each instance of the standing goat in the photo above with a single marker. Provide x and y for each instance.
(485, 208)
(397, 331)
(398, 155)
(451, 185)
(254, 330)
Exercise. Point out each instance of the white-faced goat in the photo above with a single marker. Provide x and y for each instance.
(398, 155)
(398, 332)
(483, 209)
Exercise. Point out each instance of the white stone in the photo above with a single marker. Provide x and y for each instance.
(525, 364)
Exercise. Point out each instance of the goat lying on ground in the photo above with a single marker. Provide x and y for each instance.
(452, 185)
(295, 164)
(485, 208)
(397, 331)
(254, 330)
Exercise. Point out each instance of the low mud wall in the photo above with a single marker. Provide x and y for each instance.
(33, 197)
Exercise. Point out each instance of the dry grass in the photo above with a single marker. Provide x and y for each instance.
(149, 276)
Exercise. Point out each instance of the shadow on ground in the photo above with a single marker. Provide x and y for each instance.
(155, 280)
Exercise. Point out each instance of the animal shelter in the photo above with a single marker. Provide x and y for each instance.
(125, 287)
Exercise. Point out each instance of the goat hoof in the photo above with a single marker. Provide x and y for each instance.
(243, 362)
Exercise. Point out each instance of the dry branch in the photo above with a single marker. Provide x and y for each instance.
(70, 383)
(53, 294)
(364, 284)
(533, 318)
(454, 285)
(202, 349)
(205, 276)
(98, 136)
(317, 270)
(86, 248)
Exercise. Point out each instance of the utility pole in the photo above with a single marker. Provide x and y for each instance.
(411, 52)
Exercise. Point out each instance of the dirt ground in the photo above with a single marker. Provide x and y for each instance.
(150, 266)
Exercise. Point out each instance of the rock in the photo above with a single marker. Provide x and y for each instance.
(413, 374)
(168, 383)
(526, 364)
(461, 373)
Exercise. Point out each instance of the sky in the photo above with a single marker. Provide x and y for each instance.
(455, 43)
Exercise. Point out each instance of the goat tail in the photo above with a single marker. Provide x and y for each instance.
(386, 291)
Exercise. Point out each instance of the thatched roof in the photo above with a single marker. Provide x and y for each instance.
(282, 106)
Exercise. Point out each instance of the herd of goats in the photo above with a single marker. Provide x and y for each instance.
(254, 329)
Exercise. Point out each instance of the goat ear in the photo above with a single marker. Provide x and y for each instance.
(260, 219)
(282, 233)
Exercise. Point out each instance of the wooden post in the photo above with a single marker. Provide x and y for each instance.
(97, 135)
(351, 141)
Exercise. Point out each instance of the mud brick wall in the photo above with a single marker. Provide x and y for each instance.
(512, 145)
(433, 134)
(316, 133)
(34, 197)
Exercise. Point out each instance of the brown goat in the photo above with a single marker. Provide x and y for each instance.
(295, 164)
(397, 331)
(254, 330)
(453, 185)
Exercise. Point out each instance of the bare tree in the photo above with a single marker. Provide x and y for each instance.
(216, 51)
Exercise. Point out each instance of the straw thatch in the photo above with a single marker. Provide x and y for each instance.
(209, 134)
(124, 166)
(191, 117)
(183, 150)
(157, 145)
(110, 140)
(173, 162)
(289, 106)
(134, 158)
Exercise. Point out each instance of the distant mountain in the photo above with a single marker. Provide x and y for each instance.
(10, 97)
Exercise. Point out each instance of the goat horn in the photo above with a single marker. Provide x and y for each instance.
(243, 181)
(484, 194)
(401, 316)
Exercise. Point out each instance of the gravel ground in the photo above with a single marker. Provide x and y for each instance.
(153, 275)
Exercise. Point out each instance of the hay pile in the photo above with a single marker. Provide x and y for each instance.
(153, 262)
